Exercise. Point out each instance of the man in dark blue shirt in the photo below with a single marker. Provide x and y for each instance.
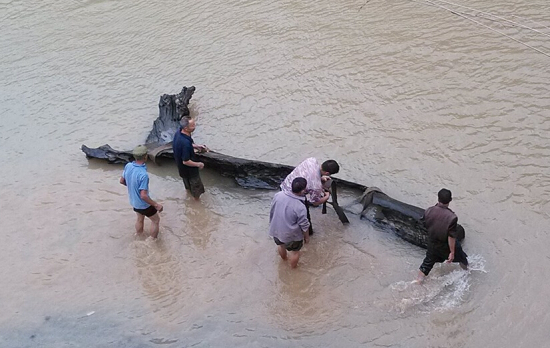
(184, 154)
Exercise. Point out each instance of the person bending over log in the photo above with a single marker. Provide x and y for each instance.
(318, 181)
(135, 177)
(288, 223)
(441, 223)
(317, 176)
(184, 155)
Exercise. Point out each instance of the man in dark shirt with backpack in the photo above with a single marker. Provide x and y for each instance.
(443, 246)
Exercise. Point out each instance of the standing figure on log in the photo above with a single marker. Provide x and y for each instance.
(135, 177)
(318, 181)
(443, 246)
(288, 223)
(184, 154)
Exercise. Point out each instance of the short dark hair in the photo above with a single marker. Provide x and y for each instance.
(299, 184)
(330, 166)
(444, 196)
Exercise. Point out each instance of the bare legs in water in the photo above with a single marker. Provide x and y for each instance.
(155, 223)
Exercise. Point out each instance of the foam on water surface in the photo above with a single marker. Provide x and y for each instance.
(447, 287)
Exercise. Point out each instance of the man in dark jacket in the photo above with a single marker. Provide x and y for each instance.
(443, 246)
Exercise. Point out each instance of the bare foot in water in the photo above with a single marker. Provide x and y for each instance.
(419, 279)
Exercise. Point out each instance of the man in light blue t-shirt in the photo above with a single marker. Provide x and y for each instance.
(135, 177)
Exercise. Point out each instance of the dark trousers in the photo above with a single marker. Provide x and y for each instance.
(439, 252)
(306, 202)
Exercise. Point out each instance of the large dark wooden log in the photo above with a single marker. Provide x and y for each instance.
(377, 207)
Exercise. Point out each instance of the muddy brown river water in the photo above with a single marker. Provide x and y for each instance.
(408, 96)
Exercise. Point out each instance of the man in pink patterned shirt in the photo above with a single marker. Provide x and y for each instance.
(317, 176)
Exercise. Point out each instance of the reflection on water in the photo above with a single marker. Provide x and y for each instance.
(199, 222)
(297, 297)
(161, 276)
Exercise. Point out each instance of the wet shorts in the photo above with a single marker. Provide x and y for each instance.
(290, 246)
(194, 184)
(440, 253)
(149, 211)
